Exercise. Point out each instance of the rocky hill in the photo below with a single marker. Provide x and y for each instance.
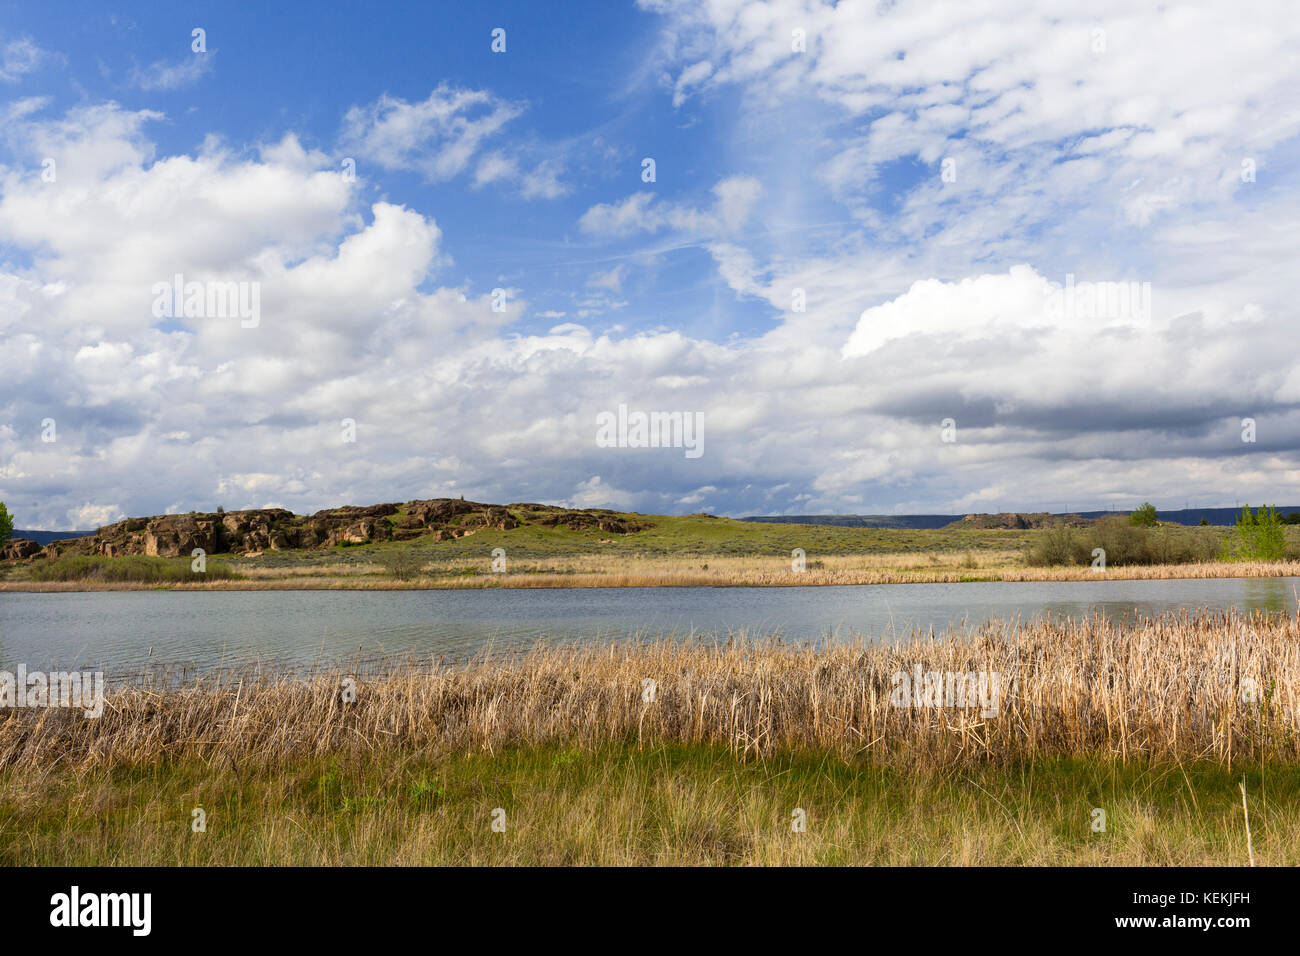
(1021, 520)
(274, 529)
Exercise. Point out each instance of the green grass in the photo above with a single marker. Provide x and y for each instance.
(696, 536)
(688, 536)
(688, 539)
(677, 804)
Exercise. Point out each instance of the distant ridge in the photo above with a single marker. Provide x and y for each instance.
(1190, 516)
(863, 521)
(45, 537)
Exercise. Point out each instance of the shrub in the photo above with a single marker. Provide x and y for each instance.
(1056, 546)
(131, 568)
(1259, 537)
(401, 563)
(6, 524)
(1124, 543)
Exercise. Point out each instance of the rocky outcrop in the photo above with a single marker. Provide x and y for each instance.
(175, 535)
(18, 549)
(275, 529)
(597, 518)
(1020, 521)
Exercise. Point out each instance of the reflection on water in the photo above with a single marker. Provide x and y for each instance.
(1269, 595)
(122, 633)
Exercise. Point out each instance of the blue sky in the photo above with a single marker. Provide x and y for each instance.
(920, 175)
(285, 68)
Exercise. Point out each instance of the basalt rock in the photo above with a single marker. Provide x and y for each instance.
(18, 549)
(275, 529)
(597, 518)
(175, 535)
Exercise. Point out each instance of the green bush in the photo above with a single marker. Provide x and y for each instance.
(135, 569)
(1259, 537)
(401, 563)
(1057, 546)
(1124, 543)
(1145, 517)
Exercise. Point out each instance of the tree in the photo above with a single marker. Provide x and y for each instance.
(1144, 517)
(6, 524)
(1259, 537)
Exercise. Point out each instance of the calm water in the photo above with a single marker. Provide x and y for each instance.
(123, 632)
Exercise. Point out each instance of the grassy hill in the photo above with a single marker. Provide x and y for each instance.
(446, 543)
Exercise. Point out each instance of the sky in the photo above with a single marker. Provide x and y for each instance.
(900, 257)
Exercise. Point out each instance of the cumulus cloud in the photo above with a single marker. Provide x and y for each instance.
(1019, 303)
(89, 517)
(888, 299)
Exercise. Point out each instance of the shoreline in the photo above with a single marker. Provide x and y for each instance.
(669, 579)
(661, 753)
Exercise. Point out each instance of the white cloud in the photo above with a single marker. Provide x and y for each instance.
(734, 201)
(1178, 92)
(20, 57)
(447, 133)
(93, 517)
(929, 302)
(438, 136)
(543, 182)
(495, 166)
(166, 76)
(611, 279)
(693, 75)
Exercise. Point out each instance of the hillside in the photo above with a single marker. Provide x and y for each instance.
(1218, 517)
(253, 532)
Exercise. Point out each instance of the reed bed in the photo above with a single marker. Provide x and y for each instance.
(835, 570)
(1196, 687)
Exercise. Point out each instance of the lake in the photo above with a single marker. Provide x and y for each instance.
(124, 632)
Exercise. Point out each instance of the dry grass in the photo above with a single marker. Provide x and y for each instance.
(595, 571)
(1178, 688)
(1154, 723)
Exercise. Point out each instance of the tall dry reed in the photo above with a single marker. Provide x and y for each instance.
(1186, 686)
